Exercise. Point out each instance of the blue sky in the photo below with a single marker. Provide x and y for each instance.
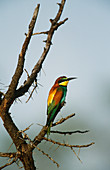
(81, 47)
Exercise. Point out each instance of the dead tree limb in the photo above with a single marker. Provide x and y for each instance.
(14, 92)
(48, 156)
(10, 155)
(54, 25)
(68, 145)
(63, 119)
(25, 149)
(9, 97)
(10, 94)
(69, 132)
(7, 164)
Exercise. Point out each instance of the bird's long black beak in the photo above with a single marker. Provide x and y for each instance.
(71, 78)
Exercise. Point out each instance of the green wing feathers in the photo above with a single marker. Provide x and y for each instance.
(57, 102)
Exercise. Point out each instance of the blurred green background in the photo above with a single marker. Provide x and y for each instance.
(81, 47)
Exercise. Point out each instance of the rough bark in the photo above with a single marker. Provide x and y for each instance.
(24, 150)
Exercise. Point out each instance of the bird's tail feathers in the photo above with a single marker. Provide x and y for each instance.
(48, 130)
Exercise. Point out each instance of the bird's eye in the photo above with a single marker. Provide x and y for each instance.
(61, 80)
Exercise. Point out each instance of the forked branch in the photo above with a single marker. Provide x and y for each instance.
(19, 69)
(54, 25)
(20, 138)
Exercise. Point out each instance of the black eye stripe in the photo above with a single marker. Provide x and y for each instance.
(62, 80)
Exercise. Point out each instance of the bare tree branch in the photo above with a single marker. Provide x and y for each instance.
(24, 145)
(35, 86)
(40, 136)
(43, 32)
(54, 25)
(57, 18)
(63, 119)
(34, 146)
(67, 145)
(10, 155)
(43, 131)
(69, 132)
(7, 164)
(26, 128)
(76, 154)
(48, 156)
(10, 94)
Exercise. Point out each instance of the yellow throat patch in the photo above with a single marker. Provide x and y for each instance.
(64, 83)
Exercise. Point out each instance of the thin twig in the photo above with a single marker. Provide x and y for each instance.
(68, 145)
(7, 164)
(48, 156)
(60, 23)
(10, 146)
(25, 128)
(69, 132)
(18, 100)
(26, 72)
(31, 92)
(25, 136)
(38, 33)
(63, 120)
(76, 154)
(79, 151)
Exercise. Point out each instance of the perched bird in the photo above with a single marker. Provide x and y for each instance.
(56, 99)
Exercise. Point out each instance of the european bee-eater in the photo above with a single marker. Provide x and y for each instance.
(56, 99)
